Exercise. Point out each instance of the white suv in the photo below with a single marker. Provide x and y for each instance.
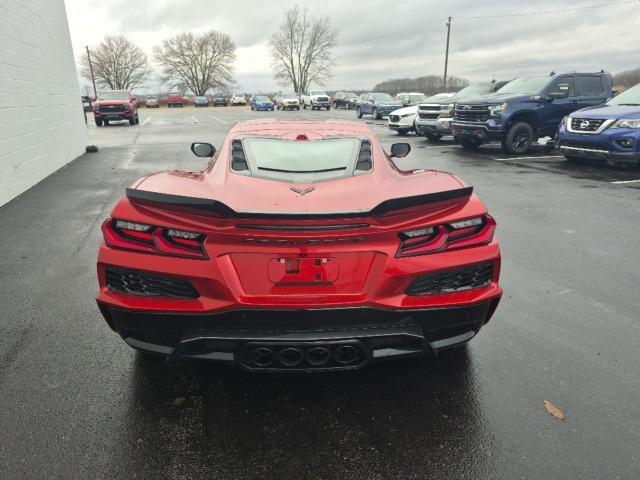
(237, 99)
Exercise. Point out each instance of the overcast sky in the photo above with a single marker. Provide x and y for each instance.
(382, 39)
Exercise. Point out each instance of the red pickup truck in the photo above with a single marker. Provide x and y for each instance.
(175, 101)
(113, 105)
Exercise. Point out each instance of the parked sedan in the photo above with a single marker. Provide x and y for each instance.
(344, 99)
(261, 260)
(287, 101)
(377, 105)
(201, 102)
(219, 99)
(261, 103)
(403, 119)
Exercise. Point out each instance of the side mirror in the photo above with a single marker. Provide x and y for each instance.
(558, 95)
(205, 150)
(400, 150)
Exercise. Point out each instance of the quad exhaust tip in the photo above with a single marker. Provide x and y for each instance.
(302, 357)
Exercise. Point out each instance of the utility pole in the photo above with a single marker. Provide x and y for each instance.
(446, 56)
(95, 93)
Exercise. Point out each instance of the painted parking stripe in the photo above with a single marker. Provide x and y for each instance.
(146, 120)
(219, 120)
(526, 158)
(195, 120)
(622, 182)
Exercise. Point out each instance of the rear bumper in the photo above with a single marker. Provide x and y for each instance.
(257, 339)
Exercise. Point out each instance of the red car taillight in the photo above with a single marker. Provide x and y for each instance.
(451, 236)
(151, 239)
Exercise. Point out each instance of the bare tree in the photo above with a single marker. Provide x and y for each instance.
(117, 63)
(429, 84)
(301, 49)
(197, 62)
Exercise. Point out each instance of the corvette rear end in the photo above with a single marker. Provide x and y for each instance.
(300, 247)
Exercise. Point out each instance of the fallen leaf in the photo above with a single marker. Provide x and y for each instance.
(180, 401)
(553, 410)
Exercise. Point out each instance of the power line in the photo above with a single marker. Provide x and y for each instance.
(618, 3)
(552, 12)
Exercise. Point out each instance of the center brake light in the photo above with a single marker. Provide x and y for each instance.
(451, 236)
(145, 238)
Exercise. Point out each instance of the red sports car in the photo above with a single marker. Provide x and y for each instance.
(301, 246)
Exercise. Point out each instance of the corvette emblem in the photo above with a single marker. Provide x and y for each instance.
(302, 191)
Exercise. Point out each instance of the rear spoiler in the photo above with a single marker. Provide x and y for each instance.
(208, 207)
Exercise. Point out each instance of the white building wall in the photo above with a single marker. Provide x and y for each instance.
(41, 121)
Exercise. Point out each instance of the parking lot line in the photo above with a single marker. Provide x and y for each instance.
(219, 120)
(146, 120)
(195, 120)
(526, 158)
(622, 182)
(441, 146)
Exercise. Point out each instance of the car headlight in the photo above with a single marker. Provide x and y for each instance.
(449, 108)
(626, 123)
(498, 109)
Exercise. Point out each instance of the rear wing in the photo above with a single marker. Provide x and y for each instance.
(210, 207)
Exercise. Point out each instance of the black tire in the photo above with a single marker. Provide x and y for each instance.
(375, 114)
(304, 105)
(469, 143)
(98, 123)
(298, 107)
(403, 131)
(518, 139)
(328, 108)
(132, 121)
(358, 112)
(572, 159)
(137, 119)
(432, 137)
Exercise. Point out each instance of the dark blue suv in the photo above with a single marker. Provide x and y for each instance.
(526, 109)
(377, 105)
(609, 132)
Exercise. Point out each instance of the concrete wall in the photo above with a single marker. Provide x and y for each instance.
(41, 121)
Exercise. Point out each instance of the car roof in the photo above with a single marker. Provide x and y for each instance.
(273, 126)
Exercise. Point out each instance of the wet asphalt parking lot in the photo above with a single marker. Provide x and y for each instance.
(76, 402)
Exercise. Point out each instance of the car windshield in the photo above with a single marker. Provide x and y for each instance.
(261, 98)
(288, 95)
(296, 160)
(201, 98)
(382, 97)
(152, 97)
(526, 86)
(113, 96)
(417, 98)
(474, 89)
(317, 92)
(628, 97)
(350, 95)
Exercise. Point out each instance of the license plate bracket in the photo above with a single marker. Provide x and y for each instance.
(297, 271)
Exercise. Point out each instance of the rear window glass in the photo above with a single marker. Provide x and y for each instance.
(590, 86)
(302, 160)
